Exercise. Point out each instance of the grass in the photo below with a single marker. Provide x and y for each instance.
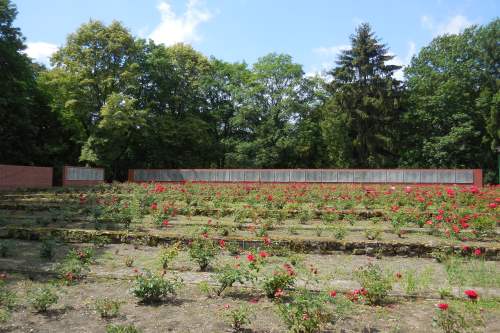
(472, 272)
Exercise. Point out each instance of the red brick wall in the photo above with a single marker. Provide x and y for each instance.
(16, 176)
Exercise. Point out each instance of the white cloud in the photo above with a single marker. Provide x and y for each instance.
(40, 51)
(454, 25)
(331, 51)
(327, 56)
(180, 28)
(397, 60)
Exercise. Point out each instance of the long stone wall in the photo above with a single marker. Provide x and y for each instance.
(374, 176)
(77, 176)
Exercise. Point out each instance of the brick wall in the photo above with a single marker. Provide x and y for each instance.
(16, 176)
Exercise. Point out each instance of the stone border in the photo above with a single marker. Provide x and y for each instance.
(370, 248)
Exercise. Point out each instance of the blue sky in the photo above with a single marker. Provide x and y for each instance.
(311, 31)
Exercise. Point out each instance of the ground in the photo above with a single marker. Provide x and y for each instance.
(432, 243)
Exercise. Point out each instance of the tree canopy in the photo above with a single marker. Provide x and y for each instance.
(112, 99)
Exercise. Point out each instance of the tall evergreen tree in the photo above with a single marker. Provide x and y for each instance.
(365, 105)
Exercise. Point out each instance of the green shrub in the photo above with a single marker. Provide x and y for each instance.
(375, 282)
(237, 317)
(451, 319)
(281, 279)
(72, 269)
(150, 288)
(107, 308)
(168, 254)
(5, 247)
(339, 230)
(122, 329)
(309, 312)
(8, 298)
(129, 261)
(484, 225)
(373, 233)
(41, 298)
(228, 275)
(85, 255)
(203, 251)
(47, 249)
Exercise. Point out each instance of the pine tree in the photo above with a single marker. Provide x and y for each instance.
(366, 100)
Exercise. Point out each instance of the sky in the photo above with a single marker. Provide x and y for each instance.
(311, 31)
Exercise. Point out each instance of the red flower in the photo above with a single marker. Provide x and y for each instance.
(278, 293)
(477, 252)
(333, 293)
(465, 248)
(472, 294)
(250, 257)
(493, 205)
(165, 223)
(154, 206)
(222, 243)
(443, 306)
(263, 254)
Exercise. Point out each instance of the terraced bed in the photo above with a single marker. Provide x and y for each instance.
(428, 244)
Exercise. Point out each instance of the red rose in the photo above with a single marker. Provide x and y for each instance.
(472, 294)
(443, 306)
(333, 293)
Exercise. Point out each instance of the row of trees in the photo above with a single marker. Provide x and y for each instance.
(115, 100)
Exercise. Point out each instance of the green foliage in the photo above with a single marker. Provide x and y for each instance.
(107, 308)
(309, 312)
(375, 282)
(455, 319)
(41, 298)
(151, 288)
(237, 317)
(8, 298)
(47, 248)
(114, 328)
(168, 254)
(203, 251)
(278, 281)
(366, 103)
(453, 115)
(228, 275)
(5, 248)
(30, 132)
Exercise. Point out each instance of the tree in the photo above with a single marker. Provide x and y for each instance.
(365, 104)
(30, 133)
(274, 98)
(95, 62)
(453, 101)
